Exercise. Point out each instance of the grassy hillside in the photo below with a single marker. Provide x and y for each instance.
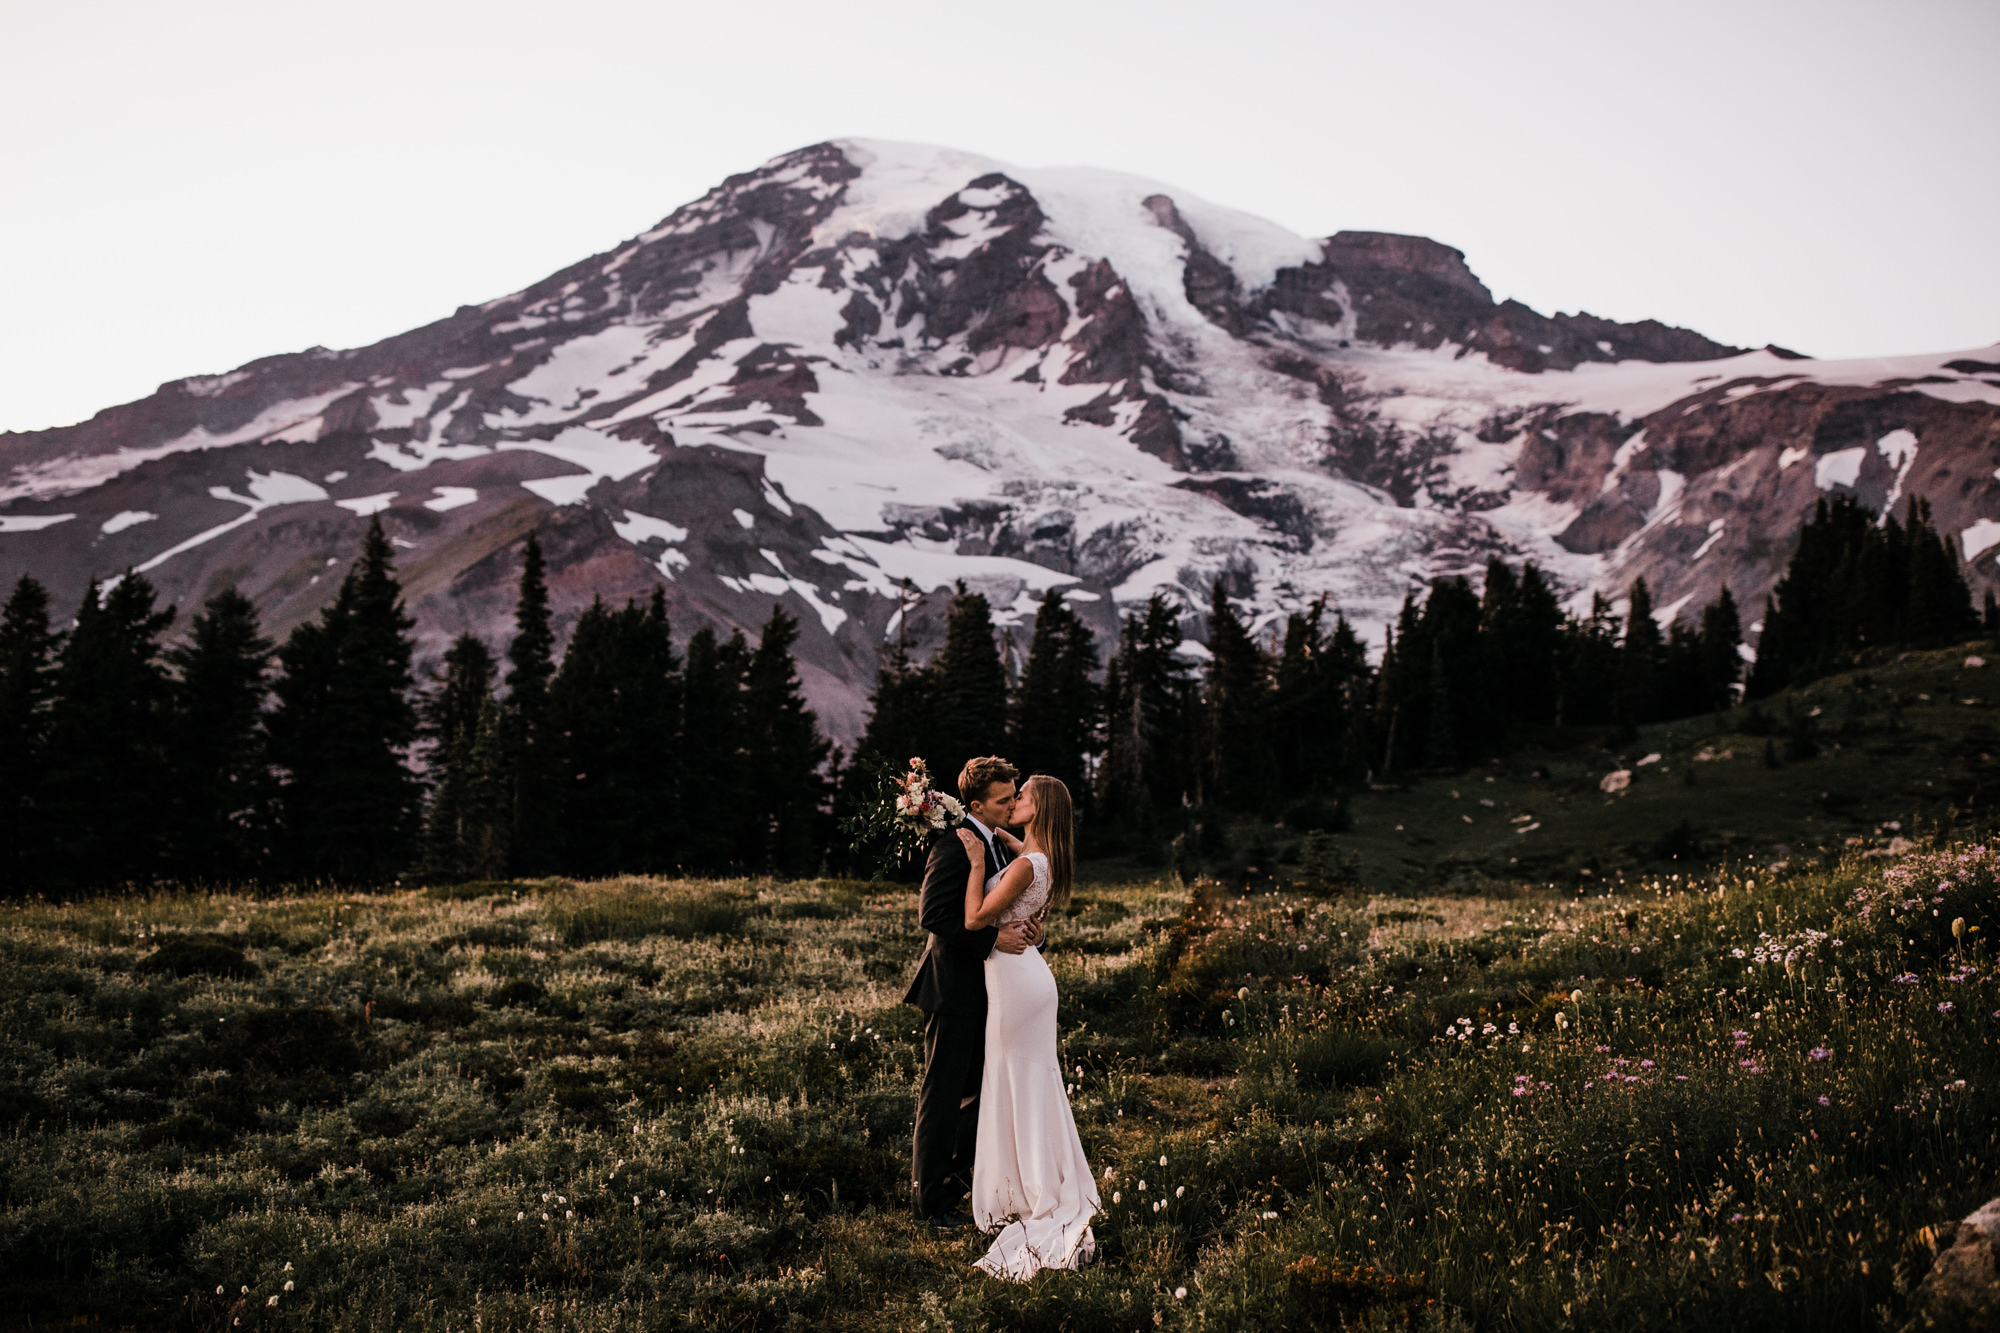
(1698, 1102)
(1900, 746)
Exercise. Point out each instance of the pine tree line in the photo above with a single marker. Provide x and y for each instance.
(1856, 582)
(1301, 717)
(227, 759)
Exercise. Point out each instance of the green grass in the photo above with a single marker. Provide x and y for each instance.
(662, 1104)
(1900, 746)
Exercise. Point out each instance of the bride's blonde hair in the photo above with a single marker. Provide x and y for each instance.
(1054, 827)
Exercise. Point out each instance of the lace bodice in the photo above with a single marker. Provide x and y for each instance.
(1033, 898)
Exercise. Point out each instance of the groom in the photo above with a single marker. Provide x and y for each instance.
(951, 990)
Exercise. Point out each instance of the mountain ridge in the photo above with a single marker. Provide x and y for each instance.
(864, 364)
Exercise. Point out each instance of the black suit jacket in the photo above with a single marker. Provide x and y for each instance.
(951, 976)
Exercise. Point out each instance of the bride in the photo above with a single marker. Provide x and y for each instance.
(1029, 1174)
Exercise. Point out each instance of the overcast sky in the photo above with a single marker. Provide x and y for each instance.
(193, 185)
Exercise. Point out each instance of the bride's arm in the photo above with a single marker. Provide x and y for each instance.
(982, 909)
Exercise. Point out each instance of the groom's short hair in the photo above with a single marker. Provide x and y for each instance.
(979, 775)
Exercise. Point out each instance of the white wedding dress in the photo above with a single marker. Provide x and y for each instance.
(1029, 1175)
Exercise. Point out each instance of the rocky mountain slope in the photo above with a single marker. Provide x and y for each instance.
(870, 369)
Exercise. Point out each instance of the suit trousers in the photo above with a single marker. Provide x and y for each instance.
(947, 1132)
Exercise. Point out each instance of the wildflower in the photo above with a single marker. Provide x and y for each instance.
(635, 1198)
(218, 1291)
(1562, 1019)
(520, 1217)
(1243, 993)
(1163, 1159)
(1645, 1064)
(1736, 1217)
(1826, 1101)
(1818, 1053)
(1945, 1008)
(1180, 1293)
(288, 1283)
(1576, 997)
(1117, 1197)
(1635, 948)
(1907, 979)
(271, 1302)
(1603, 1050)
(1302, 948)
(1518, 1091)
(1179, 1190)
(1142, 1187)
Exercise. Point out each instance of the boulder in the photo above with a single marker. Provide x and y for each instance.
(1962, 1290)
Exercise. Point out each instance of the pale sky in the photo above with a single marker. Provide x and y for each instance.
(190, 186)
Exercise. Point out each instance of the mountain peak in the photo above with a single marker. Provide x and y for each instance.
(867, 368)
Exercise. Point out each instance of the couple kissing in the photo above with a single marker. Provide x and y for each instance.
(994, 1130)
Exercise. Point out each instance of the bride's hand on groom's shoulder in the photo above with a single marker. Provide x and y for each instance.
(973, 846)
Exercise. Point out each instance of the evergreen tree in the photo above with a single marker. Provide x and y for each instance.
(342, 728)
(1054, 720)
(471, 810)
(784, 756)
(1640, 659)
(1148, 699)
(1721, 659)
(453, 708)
(715, 797)
(902, 710)
(28, 650)
(1520, 646)
(1853, 583)
(537, 799)
(470, 819)
(107, 775)
(615, 714)
(1235, 714)
(1589, 667)
(1402, 692)
(971, 690)
(221, 793)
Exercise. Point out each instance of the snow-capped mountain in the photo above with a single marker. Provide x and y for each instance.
(867, 365)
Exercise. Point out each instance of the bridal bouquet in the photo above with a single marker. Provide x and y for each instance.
(904, 816)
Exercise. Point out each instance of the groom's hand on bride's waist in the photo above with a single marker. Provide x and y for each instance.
(1014, 938)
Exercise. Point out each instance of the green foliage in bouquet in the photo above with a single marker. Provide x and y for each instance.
(895, 824)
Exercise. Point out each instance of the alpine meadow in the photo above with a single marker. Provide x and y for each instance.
(1510, 798)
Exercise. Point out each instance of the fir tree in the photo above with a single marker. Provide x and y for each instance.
(537, 801)
(1721, 658)
(1236, 703)
(615, 714)
(107, 775)
(453, 708)
(1054, 719)
(715, 797)
(28, 650)
(1640, 658)
(470, 818)
(784, 757)
(342, 728)
(1148, 701)
(1521, 639)
(1853, 583)
(1589, 667)
(222, 792)
(902, 711)
(971, 690)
